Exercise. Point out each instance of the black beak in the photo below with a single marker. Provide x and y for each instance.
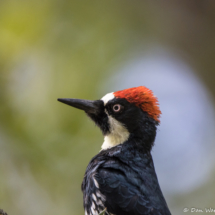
(91, 107)
(94, 109)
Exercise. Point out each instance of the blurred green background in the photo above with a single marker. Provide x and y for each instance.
(52, 49)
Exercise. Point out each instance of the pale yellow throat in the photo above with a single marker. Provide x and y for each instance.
(118, 134)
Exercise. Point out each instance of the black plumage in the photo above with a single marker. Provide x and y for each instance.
(126, 179)
(122, 178)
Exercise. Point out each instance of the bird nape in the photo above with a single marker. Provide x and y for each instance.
(121, 178)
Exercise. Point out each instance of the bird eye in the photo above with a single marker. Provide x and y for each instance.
(117, 108)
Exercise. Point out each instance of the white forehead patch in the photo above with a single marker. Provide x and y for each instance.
(107, 98)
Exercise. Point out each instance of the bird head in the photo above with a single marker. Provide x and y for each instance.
(130, 114)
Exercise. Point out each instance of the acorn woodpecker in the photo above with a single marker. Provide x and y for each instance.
(121, 178)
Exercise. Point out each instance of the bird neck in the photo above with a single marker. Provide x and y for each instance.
(115, 138)
(141, 138)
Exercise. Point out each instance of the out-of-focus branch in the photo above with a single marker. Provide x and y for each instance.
(103, 212)
(2, 212)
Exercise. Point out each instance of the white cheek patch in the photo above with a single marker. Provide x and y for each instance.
(107, 98)
(118, 134)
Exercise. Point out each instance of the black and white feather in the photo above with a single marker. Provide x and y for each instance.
(124, 181)
(121, 178)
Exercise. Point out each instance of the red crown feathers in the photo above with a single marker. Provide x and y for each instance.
(143, 98)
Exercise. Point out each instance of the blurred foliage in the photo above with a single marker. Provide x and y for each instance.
(51, 49)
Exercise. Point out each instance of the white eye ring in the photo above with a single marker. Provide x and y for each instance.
(117, 108)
